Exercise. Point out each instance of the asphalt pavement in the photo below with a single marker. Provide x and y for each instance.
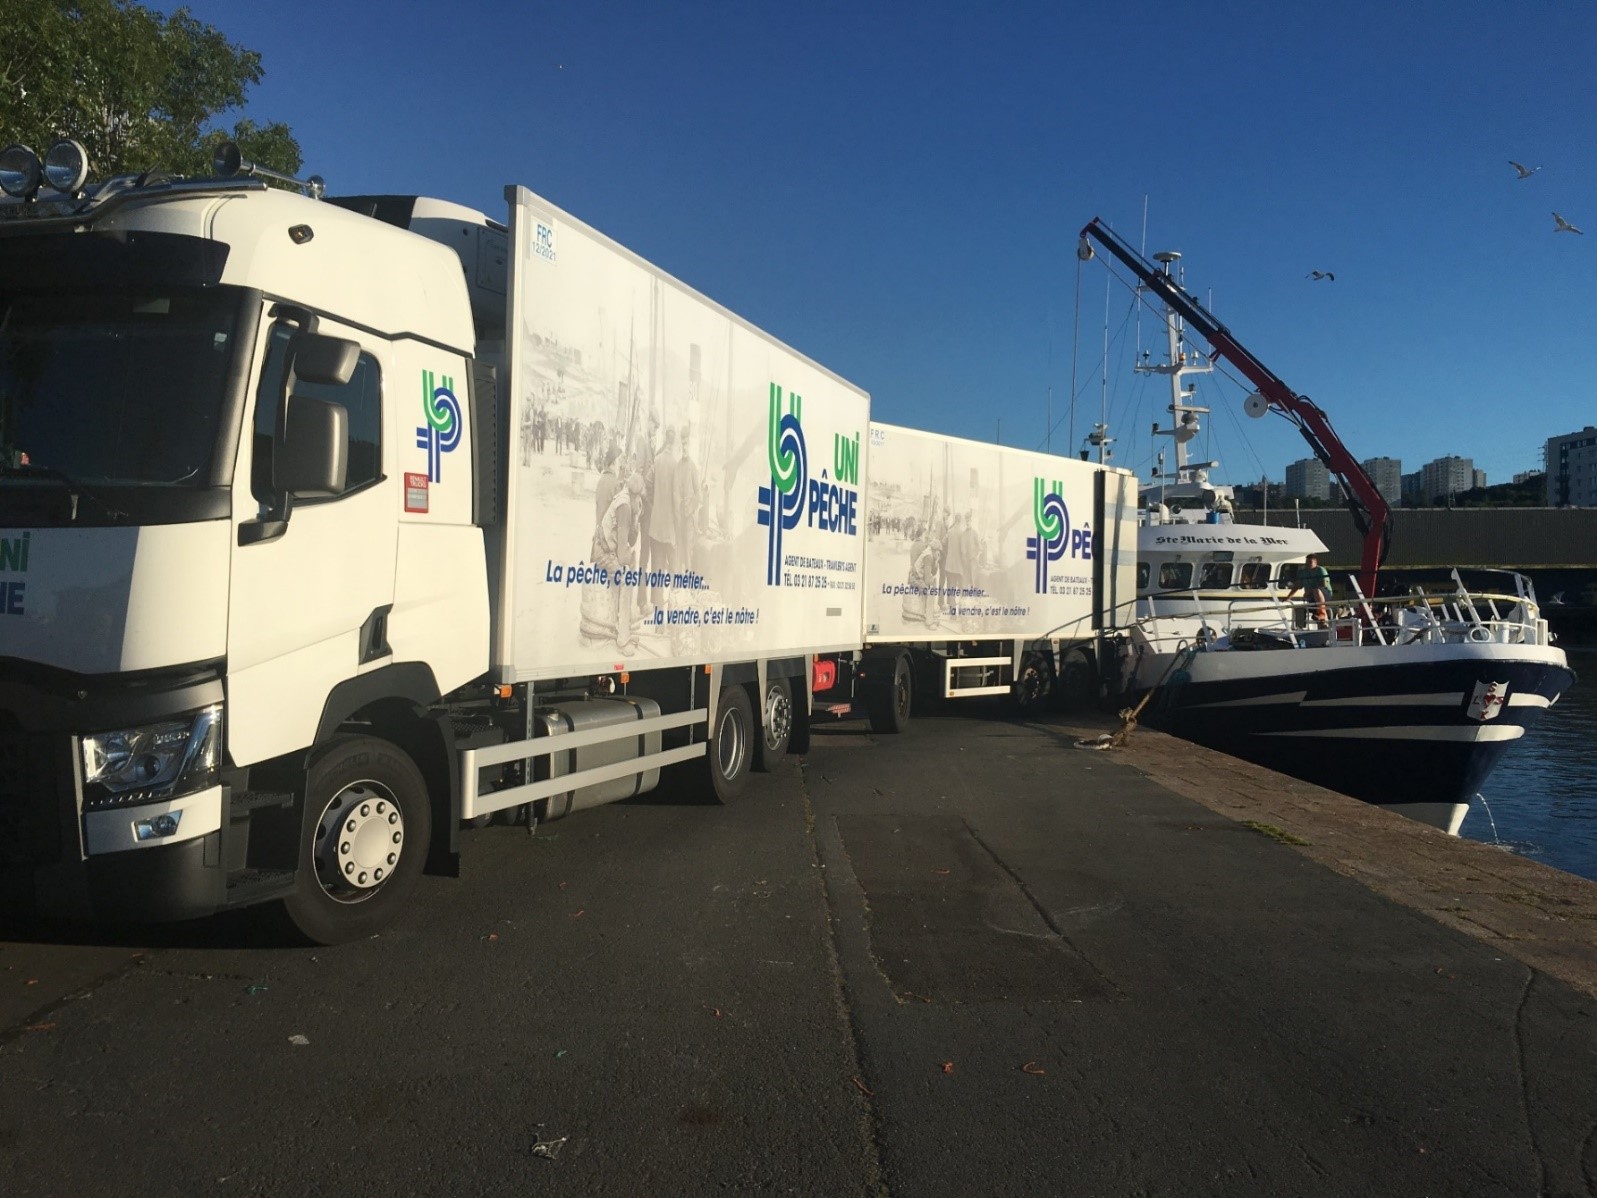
(973, 959)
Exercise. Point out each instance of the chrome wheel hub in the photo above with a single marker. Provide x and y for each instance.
(730, 744)
(359, 840)
(778, 716)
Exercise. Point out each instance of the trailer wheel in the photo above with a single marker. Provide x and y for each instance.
(731, 750)
(1034, 685)
(1074, 690)
(889, 708)
(365, 840)
(776, 725)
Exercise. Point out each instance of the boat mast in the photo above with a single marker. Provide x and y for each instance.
(1178, 364)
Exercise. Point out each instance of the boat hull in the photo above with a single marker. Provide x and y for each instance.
(1417, 730)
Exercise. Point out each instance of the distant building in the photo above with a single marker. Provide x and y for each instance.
(1446, 477)
(1308, 479)
(1480, 480)
(1572, 469)
(1387, 475)
(1414, 490)
(1262, 494)
(1525, 476)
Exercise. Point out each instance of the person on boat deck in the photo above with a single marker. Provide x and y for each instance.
(1315, 581)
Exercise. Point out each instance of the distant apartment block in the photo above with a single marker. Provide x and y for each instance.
(1572, 469)
(1413, 491)
(1387, 475)
(1446, 477)
(1525, 476)
(1308, 479)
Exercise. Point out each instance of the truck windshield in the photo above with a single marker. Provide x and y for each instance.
(115, 389)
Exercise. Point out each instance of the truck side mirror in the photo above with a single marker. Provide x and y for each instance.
(316, 358)
(313, 460)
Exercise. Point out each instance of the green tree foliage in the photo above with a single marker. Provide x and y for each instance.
(140, 90)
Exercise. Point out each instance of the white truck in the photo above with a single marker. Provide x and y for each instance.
(329, 527)
(988, 571)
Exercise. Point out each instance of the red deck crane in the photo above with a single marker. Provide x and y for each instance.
(1370, 510)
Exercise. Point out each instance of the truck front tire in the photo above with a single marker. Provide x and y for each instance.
(366, 832)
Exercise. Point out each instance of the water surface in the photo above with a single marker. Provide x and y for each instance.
(1542, 797)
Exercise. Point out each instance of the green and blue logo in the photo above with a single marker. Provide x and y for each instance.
(1055, 538)
(441, 433)
(1052, 519)
(793, 496)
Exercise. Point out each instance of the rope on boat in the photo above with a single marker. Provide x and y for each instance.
(1175, 670)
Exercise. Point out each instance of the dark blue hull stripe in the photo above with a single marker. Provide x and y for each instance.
(1390, 734)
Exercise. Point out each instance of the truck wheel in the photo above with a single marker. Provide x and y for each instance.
(731, 749)
(1034, 685)
(364, 843)
(776, 725)
(889, 709)
(1074, 690)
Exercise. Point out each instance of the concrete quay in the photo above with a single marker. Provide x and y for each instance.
(972, 959)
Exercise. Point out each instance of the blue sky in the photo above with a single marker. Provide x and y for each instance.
(895, 189)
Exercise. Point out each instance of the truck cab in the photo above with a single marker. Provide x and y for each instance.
(240, 522)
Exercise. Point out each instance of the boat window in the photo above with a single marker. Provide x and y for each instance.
(1215, 576)
(1255, 574)
(1144, 572)
(1175, 576)
(1289, 574)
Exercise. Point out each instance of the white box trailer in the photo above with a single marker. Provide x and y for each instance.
(988, 571)
(746, 453)
(329, 528)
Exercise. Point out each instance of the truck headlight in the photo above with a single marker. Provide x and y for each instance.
(155, 761)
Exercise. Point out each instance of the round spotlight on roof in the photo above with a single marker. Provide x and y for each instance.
(226, 161)
(19, 172)
(66, 166)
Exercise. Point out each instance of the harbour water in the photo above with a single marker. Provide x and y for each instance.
(1541, 800)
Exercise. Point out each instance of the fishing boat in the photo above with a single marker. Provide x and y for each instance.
(1406, 700)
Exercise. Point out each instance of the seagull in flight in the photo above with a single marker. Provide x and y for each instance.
(1563, 226)
(1525, 172)
(1317, 275)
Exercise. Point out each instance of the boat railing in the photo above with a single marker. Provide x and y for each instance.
(1211, 619)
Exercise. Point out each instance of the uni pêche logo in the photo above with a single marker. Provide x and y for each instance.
(1055, 538)
(441, 433)
(1052, 518)
(793, 496)
(782, 503)
(13, 591)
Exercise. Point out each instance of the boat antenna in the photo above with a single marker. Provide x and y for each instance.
(1103, 417)
(1075, 351)
(1048, 441)
(1144, 254)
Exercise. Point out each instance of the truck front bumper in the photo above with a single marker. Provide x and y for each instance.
(150, 862)
(62, 856)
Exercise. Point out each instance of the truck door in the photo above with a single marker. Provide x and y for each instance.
(308, 603)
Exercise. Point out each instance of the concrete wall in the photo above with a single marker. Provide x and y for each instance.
(1427, 538)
